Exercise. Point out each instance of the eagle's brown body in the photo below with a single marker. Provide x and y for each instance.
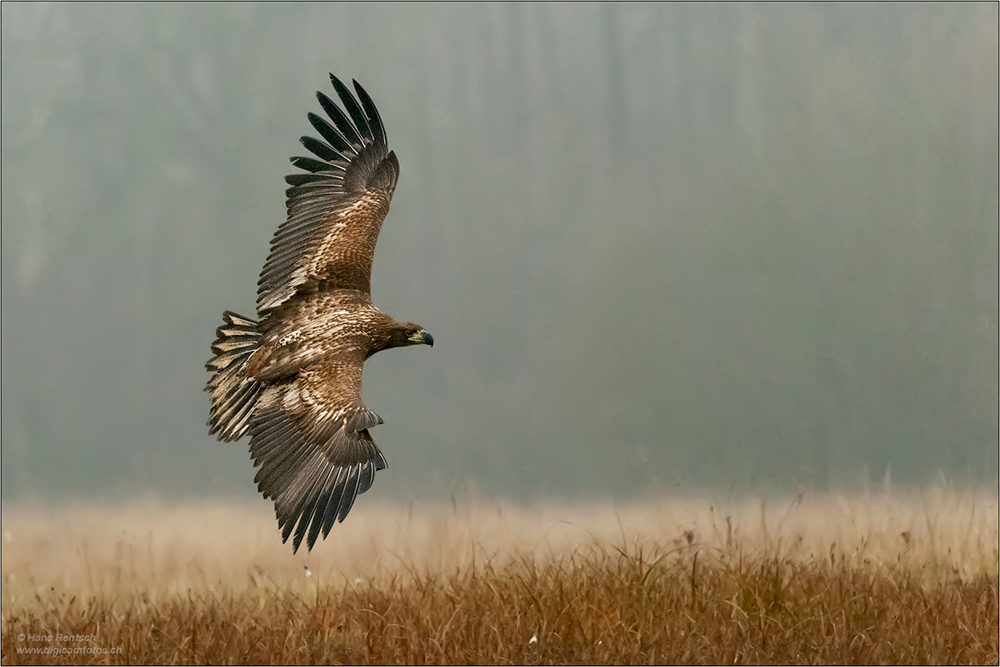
(292, 380)
(326, 324)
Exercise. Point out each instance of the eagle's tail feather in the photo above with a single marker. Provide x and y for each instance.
(234, 396)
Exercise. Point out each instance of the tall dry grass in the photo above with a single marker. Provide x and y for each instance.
(875, 578)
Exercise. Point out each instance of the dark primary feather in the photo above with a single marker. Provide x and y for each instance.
(374, 120)
(345, 128)
(336, 209)
(357, 115)
(328, 153)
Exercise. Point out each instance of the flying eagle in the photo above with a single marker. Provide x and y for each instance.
(292, 379)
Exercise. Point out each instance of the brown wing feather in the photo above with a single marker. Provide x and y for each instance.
(335, 208)
(310, 438)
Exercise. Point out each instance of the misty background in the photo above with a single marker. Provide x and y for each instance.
(661, 248)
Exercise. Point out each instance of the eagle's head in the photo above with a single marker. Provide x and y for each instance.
(411, 334)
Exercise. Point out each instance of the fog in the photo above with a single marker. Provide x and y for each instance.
(661, 248)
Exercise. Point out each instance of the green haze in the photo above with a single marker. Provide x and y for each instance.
(660, 247)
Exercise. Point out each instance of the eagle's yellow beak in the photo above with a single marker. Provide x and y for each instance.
(422, 338)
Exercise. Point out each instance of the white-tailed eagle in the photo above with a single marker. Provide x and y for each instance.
(291, 380)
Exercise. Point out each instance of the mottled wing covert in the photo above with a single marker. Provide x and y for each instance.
(335, 208)
(310, 438)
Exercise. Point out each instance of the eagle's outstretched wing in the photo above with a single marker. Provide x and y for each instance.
(310, 438)
(336, 208)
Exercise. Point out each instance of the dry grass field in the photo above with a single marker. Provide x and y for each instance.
(887, 578)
